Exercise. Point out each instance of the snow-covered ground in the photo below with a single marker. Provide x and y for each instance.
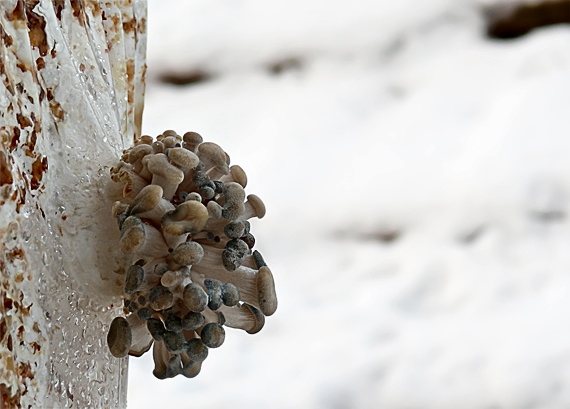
(417, 180)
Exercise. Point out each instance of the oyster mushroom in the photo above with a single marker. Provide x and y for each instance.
(192, 270)
(165, 174)
(237, 174)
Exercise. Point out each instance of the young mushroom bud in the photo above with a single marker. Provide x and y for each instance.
(134, 279)
(196, 350)
(213, 335)
(195, 298)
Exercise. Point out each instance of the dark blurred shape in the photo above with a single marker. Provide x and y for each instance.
(506, 22)
(471, 236)
(286, 64)
(185, 78)
(385, 234)
(547, 201)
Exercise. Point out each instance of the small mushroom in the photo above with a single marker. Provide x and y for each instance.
(214, 210)
(196, 349)
(254, 207)
(195, 298)
(188, 217)
(174, 342)
(234, 206)
(188, 253)
(192, 140)
(230, 294)
(237, 174)
(213, 335)
(267, 298)
(211, 155)
(155, 328)
(147, 199)
(161, 358)
(160, 298)
(190, 368)
(145, 139)
(135, 156)
(214, 289)
(183, 158)
(193, 320)
(234, 230)
(132, 235)
(165, 174)
(134, 279)
(119, 337)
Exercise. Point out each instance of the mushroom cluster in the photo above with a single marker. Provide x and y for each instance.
(183, 220)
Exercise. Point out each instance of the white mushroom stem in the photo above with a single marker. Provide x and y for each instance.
(155, 215)
(243, 317)
(216, 172)
(154, 245)
(254, 207)
(211, 316)
(161, 356)
(174, 240)
(142, 340)
(237, 174)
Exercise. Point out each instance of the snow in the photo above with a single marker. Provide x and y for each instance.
(415, 175)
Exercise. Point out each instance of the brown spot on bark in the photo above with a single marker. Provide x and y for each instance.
(82, 67)
(23, 121)
(36, 347)
(15, 139)
(58, 5)
(40, 63)
(128, 26)
(38, 168)
(56, 110)
(5, 170)
(78, 11)
(18, 12)
(5, 37)
(8, 304)
(16, 254)
(37, 30)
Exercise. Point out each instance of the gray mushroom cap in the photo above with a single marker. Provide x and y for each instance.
(183, 158)
(192, 140)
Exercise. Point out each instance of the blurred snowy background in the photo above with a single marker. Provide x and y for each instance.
(416, 171)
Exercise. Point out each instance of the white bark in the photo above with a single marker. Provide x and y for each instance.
(71, 97)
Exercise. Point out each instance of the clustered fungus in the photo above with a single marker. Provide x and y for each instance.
(183, 220)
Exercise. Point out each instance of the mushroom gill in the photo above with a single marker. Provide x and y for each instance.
(183, 216)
